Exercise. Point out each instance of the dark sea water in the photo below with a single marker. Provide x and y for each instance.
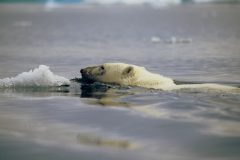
(192, 42)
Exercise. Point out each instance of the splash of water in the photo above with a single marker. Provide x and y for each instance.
(38, 77)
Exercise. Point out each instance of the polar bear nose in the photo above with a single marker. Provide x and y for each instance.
(84, 71)
(81, 70)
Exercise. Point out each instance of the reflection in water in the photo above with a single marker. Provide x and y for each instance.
(131, 120)
(22, 90)
(219, 113)
(27, 127)
(32, 127)
(47, 92)
(90, 139)
(113, 96)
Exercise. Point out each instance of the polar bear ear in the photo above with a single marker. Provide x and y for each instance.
(128, 71)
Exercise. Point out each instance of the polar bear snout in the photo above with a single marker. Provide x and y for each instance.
(87, 75)
(85, 71)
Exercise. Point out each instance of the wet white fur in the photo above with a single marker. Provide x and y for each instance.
(139, 76)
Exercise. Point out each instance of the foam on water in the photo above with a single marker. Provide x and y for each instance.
(38, 77)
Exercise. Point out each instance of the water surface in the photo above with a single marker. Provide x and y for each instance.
(98, 122)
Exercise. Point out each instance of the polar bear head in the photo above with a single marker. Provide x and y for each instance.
(124, 75)
(118, 73)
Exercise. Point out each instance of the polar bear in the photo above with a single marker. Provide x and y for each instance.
(132, 75)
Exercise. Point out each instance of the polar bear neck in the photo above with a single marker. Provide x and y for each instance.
(152, 80)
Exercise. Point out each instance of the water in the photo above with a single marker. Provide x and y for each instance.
(39, 77)
(98, 122)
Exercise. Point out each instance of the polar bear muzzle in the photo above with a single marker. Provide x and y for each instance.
(91, 74)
